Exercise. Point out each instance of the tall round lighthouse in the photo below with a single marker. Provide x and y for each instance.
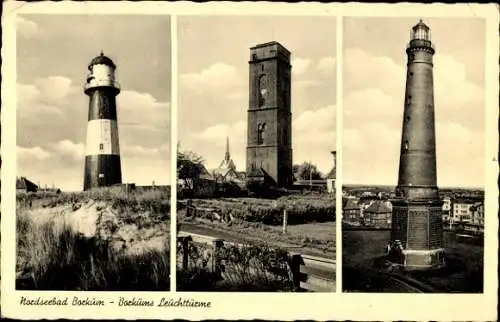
(102, 159)
(417, 232)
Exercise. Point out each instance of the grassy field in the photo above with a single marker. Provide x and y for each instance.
(315, 236)
(300, 209)
(463, 274)
(93, 241)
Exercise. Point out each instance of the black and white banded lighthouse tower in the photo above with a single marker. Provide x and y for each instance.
(102, 158)
(416, 217)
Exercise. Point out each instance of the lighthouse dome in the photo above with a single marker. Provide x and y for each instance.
(421, 25)
(102, 60)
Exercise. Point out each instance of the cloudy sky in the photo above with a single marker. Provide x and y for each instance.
(53, 55)
(374, 81)
(213, 83)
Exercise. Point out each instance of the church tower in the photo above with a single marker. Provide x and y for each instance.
(269, 139)
(416, 217)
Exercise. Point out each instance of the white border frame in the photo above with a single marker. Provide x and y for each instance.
(326, 306)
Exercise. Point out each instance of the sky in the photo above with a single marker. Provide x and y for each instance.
(53, 53)
(374, 78)
(213, 84)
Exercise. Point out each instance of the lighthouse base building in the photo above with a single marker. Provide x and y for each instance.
(417, 225)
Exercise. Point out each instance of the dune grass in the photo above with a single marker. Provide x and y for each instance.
(54, 256)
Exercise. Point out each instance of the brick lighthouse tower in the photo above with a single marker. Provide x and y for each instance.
(417, 231)
(269, 130)
(102, 159)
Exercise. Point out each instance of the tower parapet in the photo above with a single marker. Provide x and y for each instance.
(101, 75)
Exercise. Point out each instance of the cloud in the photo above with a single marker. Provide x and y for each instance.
(143, 165)
(67, 148)
(28, 28)
(34, 153)
(219, 132)
(218, 76)
(138, 151)
(144, 102)
(300, 66)
(306, 84)
(47, 96)
(54, 88)
(362, 71)
(52, 118)
(319, 119)
(236, 95)
(313, 137)
(373, 108)
(451, 86)
(312, 131)
(327, 64)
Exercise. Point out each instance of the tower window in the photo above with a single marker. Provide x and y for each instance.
(101, 147)
(261, 129)
(411, 73)
(262, 89)
(406, 146)
(262, 67)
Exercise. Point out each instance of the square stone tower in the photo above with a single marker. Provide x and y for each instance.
(269, 141)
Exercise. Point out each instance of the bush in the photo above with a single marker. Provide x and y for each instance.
(300, 210)
(50, 257)
(230, 190)
(254, 268)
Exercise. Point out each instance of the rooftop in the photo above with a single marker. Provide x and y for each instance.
(378, 207)
(102, 60)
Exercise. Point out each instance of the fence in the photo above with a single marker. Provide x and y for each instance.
(307, 273)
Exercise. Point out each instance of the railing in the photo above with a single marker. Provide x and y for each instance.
(308, 273)
(420, 43)
(103, 82)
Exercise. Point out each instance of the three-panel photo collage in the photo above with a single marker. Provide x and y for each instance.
(212, 155)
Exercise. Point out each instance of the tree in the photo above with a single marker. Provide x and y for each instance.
(190, 168)
(308, 171)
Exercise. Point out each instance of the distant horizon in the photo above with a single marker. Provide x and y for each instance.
(394, 185)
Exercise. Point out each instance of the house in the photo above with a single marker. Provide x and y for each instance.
(332, 175)
(477, 211)
(461, 210)
(24, 185)
(446, 209)
(378, 215)
(351, 212)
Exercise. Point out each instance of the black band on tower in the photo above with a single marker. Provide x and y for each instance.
(102, 104)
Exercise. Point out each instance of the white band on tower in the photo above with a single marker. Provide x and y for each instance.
(102, 138)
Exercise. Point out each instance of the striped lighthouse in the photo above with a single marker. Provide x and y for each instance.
(102, 158)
